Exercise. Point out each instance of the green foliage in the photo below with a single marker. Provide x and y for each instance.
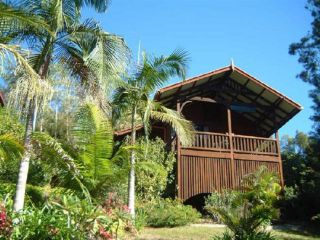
(11, 135)
(247, 211)
(93, 135)
(135, 93)
(119, 214)
(10, 124)
(67, 217)
(308, 50)
(301, 168)
(167, 213)
(151, 180)
(10, 146)
(154, 169)
(257, 235)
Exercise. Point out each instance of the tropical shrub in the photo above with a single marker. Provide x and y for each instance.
(66, 218)
(301, 169)
(167, 213)
(257, 235)
(11, 135)
(10, 124)
(154, 169)
(5, 223)
(119, 214)
(248, 210)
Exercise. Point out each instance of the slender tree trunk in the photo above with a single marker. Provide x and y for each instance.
(56, 122)
(24, 164)
(42, 69)
(35, 113)
(131, 187)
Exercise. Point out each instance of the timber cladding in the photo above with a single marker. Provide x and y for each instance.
(206, 174)
(203, 175)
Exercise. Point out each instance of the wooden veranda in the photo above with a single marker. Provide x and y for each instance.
(217, 161)
(237, 118)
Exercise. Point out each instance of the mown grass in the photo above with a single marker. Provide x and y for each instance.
(206, 233)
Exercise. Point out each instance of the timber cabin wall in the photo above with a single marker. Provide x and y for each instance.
(225, 149)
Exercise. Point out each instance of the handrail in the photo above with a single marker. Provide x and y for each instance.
(255, 145)
(247, 136)
(211, 133)
(241, 143)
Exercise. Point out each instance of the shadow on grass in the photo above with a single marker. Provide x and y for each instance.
(303, 229)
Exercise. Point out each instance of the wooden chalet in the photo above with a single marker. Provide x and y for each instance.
(236, 118)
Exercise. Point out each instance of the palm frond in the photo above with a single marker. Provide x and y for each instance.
(19, 56)
(95, 57)
(154, 72)
(98, 5)
(13, 19)
(181, 126)
(30, 91)
(56, 155)
(93, 133)
(10, 147)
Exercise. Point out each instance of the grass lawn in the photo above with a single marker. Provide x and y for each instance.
(205, 233)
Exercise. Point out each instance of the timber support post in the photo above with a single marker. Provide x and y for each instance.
(178, 157)
(279, 159)
(231, 148)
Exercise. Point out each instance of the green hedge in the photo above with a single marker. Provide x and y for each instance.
(167, 213)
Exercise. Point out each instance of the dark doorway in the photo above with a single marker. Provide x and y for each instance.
(198, 202)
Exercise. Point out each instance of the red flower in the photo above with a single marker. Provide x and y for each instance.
(109, 211)
(125, 208)
(103, 233)
(3, 217)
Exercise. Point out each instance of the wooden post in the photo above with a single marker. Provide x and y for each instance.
(178, 158)
(280, 160)
(231, 148)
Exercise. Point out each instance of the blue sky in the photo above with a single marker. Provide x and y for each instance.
(255, 33)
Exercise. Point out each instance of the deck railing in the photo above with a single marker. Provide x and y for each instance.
(211, 140)
(248, 144)
(241, 143)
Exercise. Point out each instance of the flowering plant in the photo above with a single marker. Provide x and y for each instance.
(119, 213)
(5, 223)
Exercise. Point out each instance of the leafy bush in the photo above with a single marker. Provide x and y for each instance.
(151, 180)
(154, 169)
(68, 218)
(247, 211)
(258, 235)
(119, 214)
(301, 169)
(167, 213)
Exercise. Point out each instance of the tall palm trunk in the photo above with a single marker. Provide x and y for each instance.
(42, 70)
(131, 190)
(24, 164)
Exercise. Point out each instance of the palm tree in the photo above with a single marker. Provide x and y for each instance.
(61, 45)
(134, 98)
